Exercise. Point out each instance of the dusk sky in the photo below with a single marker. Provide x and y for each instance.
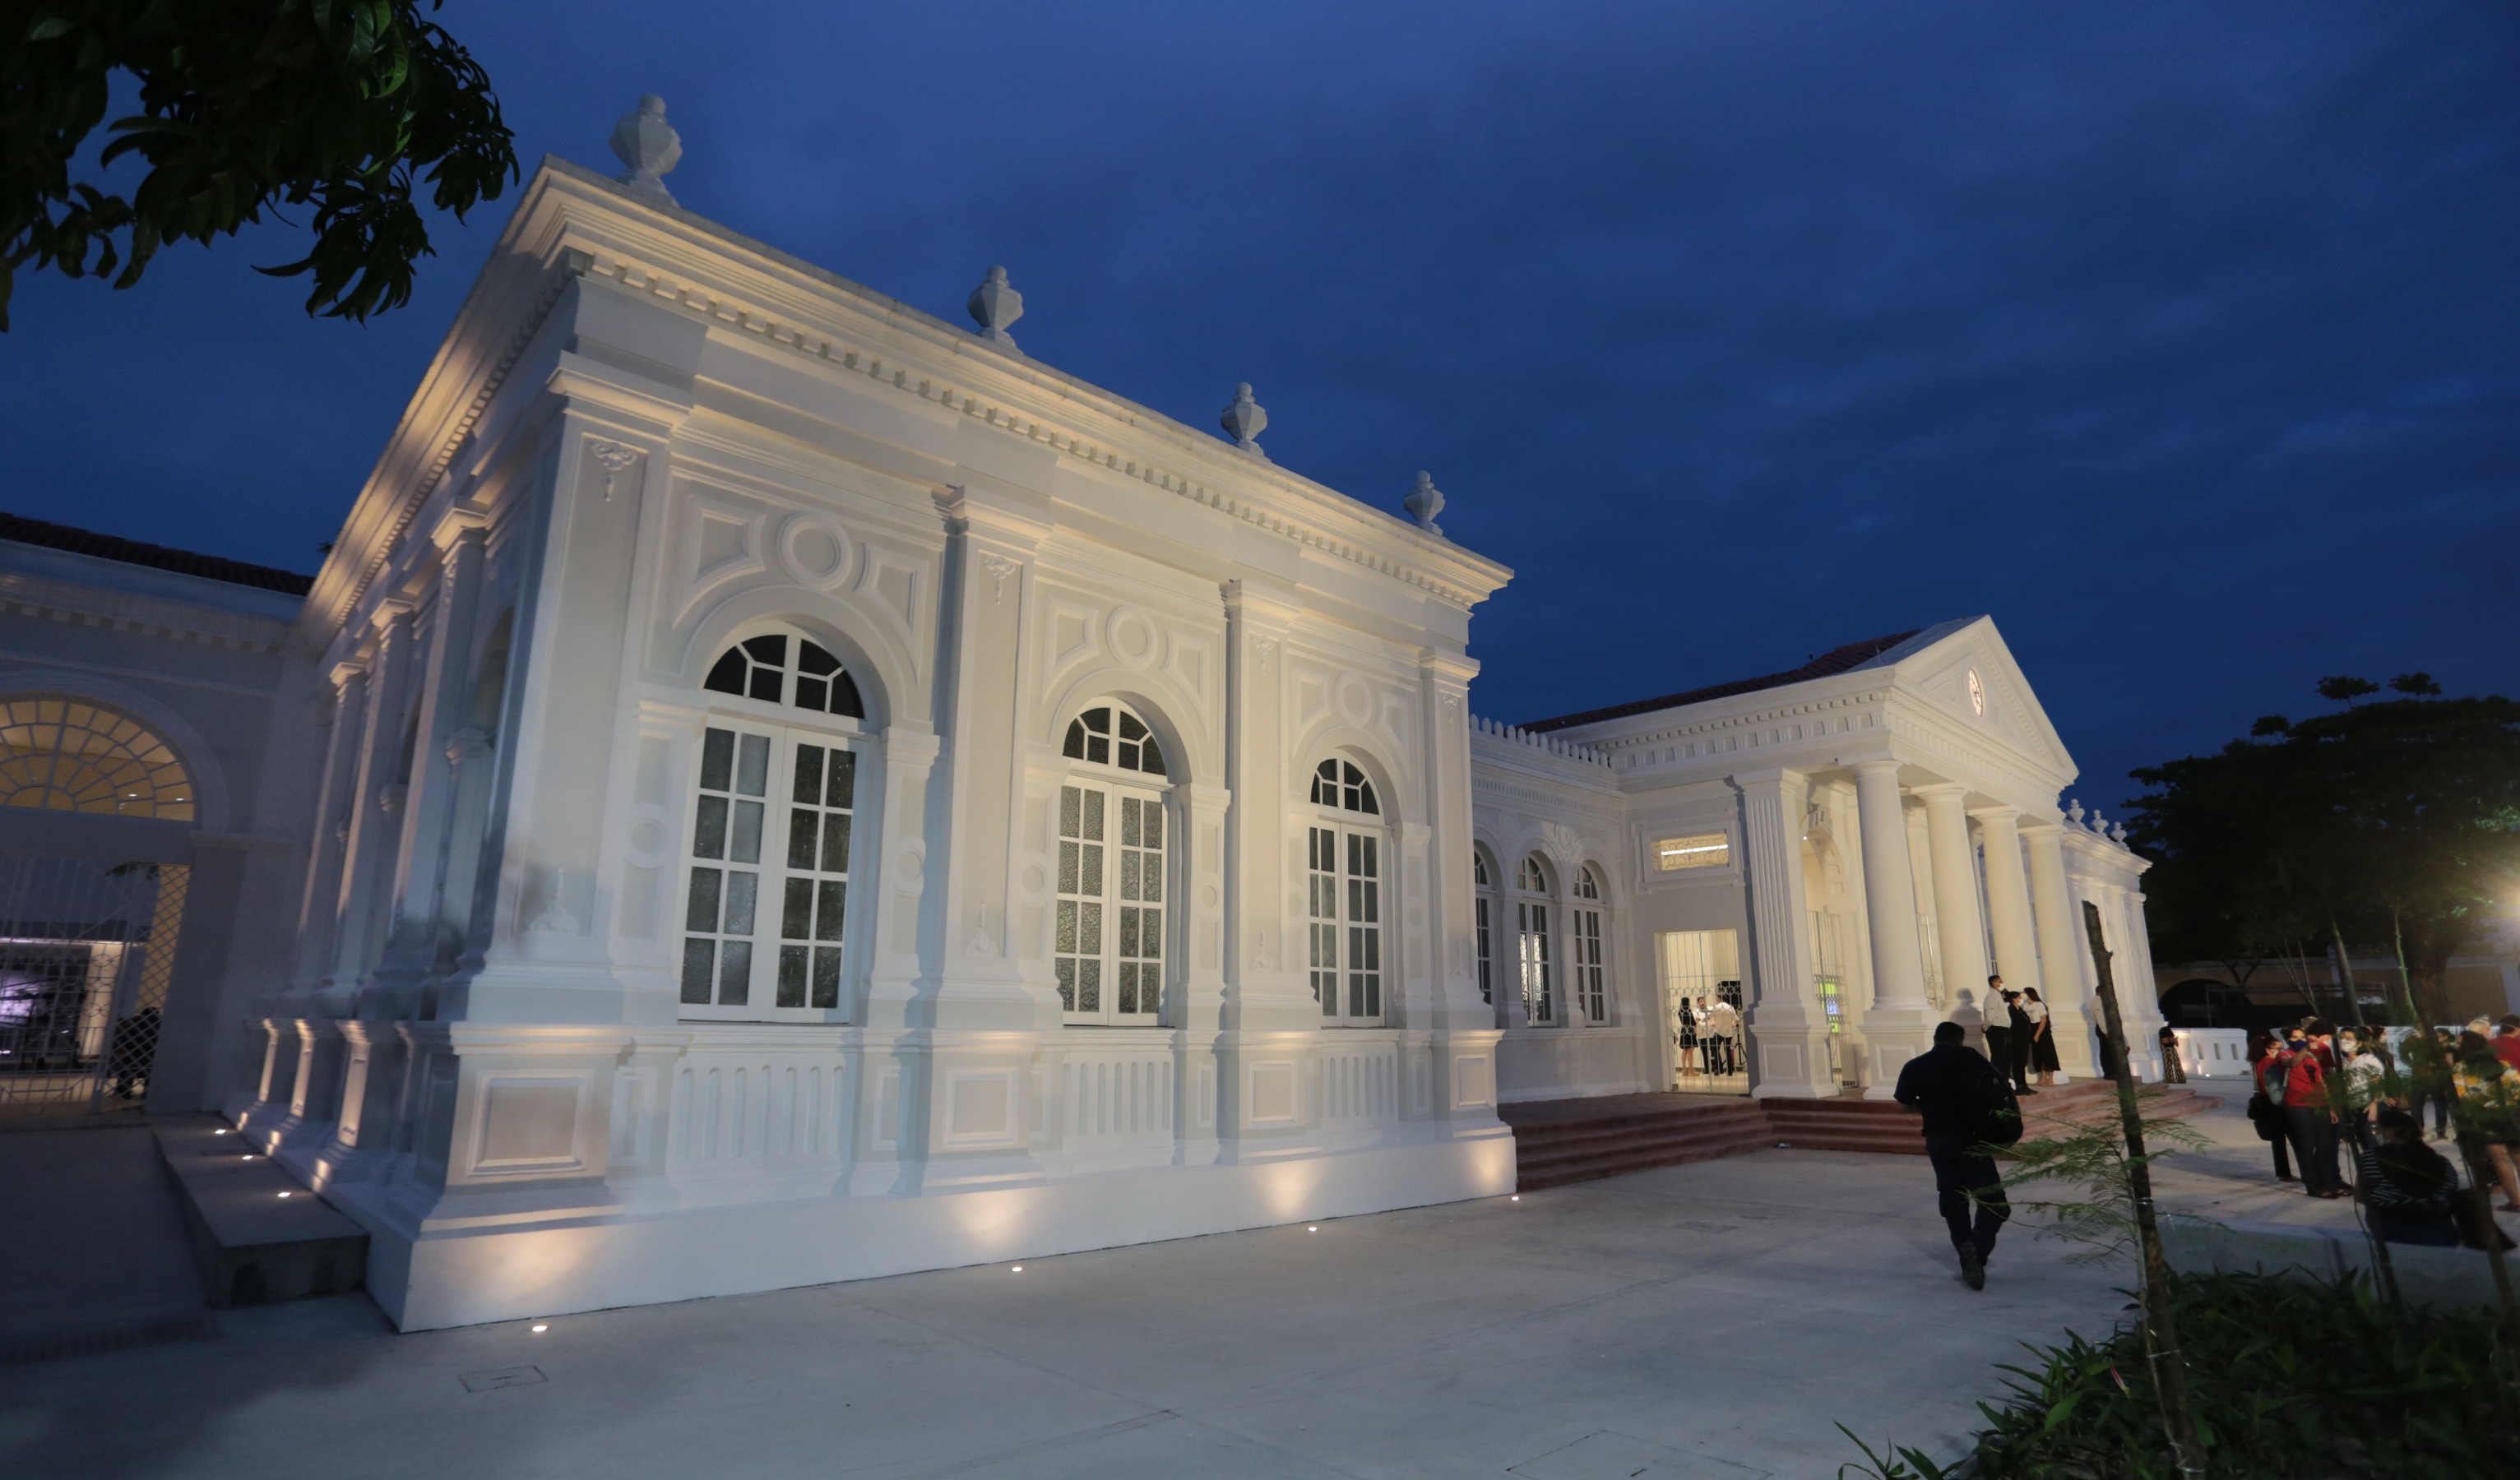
(2183, 339)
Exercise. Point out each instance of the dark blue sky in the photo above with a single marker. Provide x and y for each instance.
(2184, 340)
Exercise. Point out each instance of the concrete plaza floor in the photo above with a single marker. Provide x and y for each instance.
(1698, 1322)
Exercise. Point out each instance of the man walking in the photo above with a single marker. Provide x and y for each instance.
(1953, 1090)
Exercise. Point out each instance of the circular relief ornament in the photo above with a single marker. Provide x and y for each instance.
(1977, 693)
(1131, 634)
(814, 550)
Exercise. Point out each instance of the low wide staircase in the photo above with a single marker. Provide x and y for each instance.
(1561, 1141)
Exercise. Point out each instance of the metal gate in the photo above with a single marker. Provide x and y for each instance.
(86, 951)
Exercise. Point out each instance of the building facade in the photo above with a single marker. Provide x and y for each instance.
(772, 788)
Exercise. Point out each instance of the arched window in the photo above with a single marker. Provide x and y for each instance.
(766, 912)
(1480, 882)
(1107, 948)
(1338, 783)
(71, 756)
(1584, 943)
(782, 669)
(1531, 942)
(1111, 736)
(1344, 856)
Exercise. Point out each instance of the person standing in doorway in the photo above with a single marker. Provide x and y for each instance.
(2043, 1039)
(1688, 1034)
(1954, 1088)
(1726, 1023)
(2016, 1061)
(1705, 1039)
(1999, 1025)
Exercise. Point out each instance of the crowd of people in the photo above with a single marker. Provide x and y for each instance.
(2322, 1092)
(1710, 1032)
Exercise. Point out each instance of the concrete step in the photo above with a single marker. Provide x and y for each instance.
(258, 1233)
(1556, 1142)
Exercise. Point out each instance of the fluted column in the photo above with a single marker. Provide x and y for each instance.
(2060, 976)
(319, 915)
(2007, 897)
(1789, 1038)
(376, 799)
(444, 698)
(1961, 928)
(1895, 1026)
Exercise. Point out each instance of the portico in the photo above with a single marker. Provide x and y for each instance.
(1890, 836)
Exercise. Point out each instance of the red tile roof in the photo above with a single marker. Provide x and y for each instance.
(1834, 660)
(133, 553)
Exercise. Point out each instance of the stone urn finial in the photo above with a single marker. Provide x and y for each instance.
(994, 305)
(647, 144)
(2074, 812)
(1424, 502)
(1245, 421)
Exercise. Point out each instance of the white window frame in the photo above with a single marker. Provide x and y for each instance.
(1348, 939)
(776, 874)
(1533, 956)
(1587, 949)
(1120, 787)
(1485, 911)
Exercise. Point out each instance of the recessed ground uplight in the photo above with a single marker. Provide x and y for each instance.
(1517, 1198)
(284, 1195)
(1018, 1268)
(218, 1132)
(1315, 1228)
(540, 1326)
(249, 1156)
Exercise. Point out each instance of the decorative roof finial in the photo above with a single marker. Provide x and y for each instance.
(2074, 812)
(2100, 824)
(994, 305)
(1245, 421)
(649, 144)
(2117, 834)
(1424, 502)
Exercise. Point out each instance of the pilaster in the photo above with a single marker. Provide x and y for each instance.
(1789, 1036)
(375, 800)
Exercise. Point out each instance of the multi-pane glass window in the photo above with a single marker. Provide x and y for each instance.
(1344, 873)
(70, 755)
(1531, 943)
(1114, 737)
(1108, 937)
(1345, 870)
(1585, 944)
(779, 669)
(766, 906)
(1701, 850)
(1479, 905)
(1339, 783)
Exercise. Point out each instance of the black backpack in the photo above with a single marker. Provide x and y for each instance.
(1994, 1111)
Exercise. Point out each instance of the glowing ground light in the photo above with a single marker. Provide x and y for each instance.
(539, 1326)
(1517, 1198)
(284, 1195)
(218, 1132)
(1315, 1228)
(1018, 1268)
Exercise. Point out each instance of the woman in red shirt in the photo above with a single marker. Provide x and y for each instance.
(2306, 1111)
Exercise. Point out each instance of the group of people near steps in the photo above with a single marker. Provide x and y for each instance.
(2321, 1091)
(1711, 1032)
(2020, 1040)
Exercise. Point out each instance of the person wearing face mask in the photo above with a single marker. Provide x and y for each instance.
(2362, 1070)
(2308, 1062)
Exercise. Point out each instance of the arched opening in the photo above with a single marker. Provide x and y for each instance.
(61, 755)
(787, 668)
(1531, 906)
(1110, 935)
(1585, 942)
(1346, 853)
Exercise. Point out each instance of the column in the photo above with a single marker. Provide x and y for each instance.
(376, 796)
(1789, 1038)
(444, 698)
(1962, 931)
(2061, 978)
(2007, 897)
(319, 916)
(1895, 1027)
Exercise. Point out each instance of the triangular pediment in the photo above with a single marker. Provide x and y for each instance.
(1966, 669)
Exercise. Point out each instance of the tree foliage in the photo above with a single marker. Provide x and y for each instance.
(244, 107)
(2395, 821)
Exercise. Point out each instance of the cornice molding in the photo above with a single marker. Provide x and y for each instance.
(139, 615)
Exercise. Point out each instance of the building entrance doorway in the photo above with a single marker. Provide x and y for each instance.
(1703, 1007)
(86, 953)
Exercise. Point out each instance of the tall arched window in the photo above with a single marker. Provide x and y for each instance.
(1481, 881)
(1345, 854)
(1531, 942)
(774, 808)
(71, 756)
(1585, 945)
(1110, 936)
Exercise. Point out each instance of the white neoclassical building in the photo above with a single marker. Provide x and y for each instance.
(1845, 850)
(770, 787)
